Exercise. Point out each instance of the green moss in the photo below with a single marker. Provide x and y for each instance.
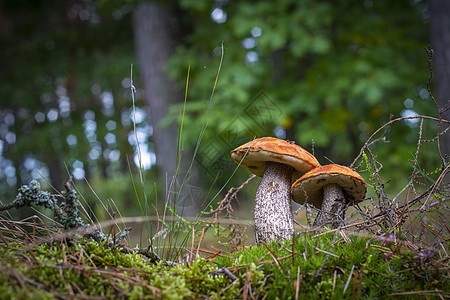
(98, 270)
(361, 267)
(10, 292)
(378, 271)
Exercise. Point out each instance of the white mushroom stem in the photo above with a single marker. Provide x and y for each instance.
(333, 207)
(273, 214)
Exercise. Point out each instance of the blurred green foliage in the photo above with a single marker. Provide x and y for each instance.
(330, 73)
(58, 62)
(325, 74)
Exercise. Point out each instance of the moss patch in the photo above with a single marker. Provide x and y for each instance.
(92, 269)
(321, 267)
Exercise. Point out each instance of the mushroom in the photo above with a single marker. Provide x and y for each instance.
(279, 163)
(330, 188)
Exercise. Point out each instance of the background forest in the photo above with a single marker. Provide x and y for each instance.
(326, 74)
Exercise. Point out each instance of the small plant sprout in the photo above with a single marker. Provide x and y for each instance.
(331, 188)
(279, 163)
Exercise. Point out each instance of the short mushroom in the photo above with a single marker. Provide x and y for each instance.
(279, 163)
(329, 188)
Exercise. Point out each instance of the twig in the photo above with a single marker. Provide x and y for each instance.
(424, 293)
(334, 280)
(389, 123)
(298, 283)
(22, 278)
(192, 244)
(319, 271)
(214, 254)
(326, 252)
(348, 280)
(246, 284)
(225, 203)
(441, 111)
(277, 262)
(437, 182)
(224, 271)
(279, 259)
(200, 241)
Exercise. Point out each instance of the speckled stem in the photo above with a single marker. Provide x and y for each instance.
(273, 214)
(332, 212)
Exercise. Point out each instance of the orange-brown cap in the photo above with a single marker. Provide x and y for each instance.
(310, 186)
(257, 152)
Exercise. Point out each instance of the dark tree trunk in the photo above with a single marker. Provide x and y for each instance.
(56, 173)
(155, 38)
(154, 30)
(104, 162)
(440, 43)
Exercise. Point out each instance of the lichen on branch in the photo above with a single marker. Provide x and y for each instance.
(66, 210)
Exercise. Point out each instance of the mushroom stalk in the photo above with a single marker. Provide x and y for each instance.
(273, 215)
(333, 207)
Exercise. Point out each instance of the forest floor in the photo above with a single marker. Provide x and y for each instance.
(41, 261)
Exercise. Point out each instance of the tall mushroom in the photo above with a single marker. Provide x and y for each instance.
(279, 163)
(330, 188)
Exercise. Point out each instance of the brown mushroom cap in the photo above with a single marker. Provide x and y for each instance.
(259, 151)
(311, 184)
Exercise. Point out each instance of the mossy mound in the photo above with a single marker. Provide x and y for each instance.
(334, 267)
(92, 269)
(326, 266)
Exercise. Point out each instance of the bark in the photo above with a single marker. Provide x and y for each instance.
(333, 207)
(273, 215)
(154, 31)
(440, 43)
(155, 38)
(56, 172)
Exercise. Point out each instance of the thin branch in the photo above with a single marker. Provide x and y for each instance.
(365, 146)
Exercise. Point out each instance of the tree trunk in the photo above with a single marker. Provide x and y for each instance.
(440, 43)
(56, 173)
(155, 39)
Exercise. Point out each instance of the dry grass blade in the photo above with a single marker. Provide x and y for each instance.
(326, 252)
(441, 294)
(200, 241)
(25, 230)
(298, 283)
(213, 254)
(349, 277)
(247, 283)
(275, 259)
